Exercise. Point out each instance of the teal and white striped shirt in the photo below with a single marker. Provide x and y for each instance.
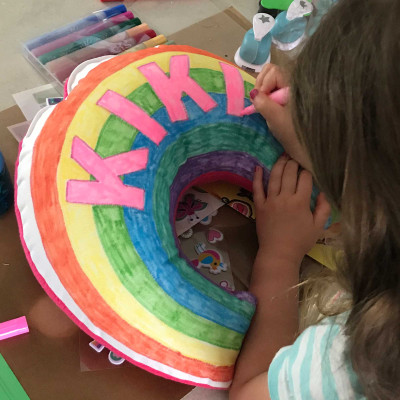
(316, 367)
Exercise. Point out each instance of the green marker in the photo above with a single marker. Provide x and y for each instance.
(10, 388)
(274, 7)
(276, 4)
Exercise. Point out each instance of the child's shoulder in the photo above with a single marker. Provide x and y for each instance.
(316, 366)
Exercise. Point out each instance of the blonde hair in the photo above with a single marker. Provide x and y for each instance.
(346, 102)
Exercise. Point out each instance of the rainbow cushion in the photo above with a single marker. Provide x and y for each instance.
(98, 180)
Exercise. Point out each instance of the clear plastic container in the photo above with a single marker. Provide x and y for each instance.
(56, 54)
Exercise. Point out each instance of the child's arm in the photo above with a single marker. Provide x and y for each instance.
(286, 230)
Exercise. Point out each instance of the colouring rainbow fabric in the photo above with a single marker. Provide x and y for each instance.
(98, 180)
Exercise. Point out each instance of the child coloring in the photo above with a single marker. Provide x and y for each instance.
(342, 124)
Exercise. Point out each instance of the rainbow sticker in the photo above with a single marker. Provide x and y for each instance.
(98, 179)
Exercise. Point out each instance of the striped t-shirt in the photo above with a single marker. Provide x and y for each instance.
(316, 367)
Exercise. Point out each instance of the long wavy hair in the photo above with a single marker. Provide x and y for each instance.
(346, 111)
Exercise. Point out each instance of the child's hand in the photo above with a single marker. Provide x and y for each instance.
(286, 227)
(279, 118)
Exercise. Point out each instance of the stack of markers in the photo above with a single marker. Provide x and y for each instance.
(107, 32)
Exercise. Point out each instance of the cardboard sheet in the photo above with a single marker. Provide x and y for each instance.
(220, 34)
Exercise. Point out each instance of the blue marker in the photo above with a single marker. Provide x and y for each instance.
(97, 16)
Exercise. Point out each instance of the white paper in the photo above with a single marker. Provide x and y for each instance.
(32, 100)
(19, 130)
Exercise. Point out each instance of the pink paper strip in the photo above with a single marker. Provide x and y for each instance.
(133, 115)
(14, 327)
(234, 89)
(170, 89)
(109, 189)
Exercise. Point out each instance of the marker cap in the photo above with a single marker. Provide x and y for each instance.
(110, 12)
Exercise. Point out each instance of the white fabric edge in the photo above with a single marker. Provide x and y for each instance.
(83, 69)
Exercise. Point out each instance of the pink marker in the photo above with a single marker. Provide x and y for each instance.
(280, 96)
(14, 327)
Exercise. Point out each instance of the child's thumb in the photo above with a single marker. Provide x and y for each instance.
(322, 211)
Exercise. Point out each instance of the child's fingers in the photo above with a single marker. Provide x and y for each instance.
(274, 114)
(322, 211)
(262, 74)
(304, 185)
(289, 177)
(273, 79)
(258, 187)
(275, 178)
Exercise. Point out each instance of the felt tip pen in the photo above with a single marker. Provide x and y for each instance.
(75, 36)
(89, 40)
(14, 327)
(97, 16)
(62, 67)
(280, 96)
(153, 42)
(169, 42)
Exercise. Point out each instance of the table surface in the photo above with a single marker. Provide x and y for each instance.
(20, 23)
